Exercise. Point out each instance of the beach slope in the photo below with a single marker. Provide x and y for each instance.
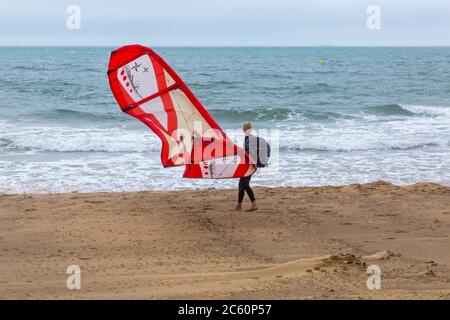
(302, 243)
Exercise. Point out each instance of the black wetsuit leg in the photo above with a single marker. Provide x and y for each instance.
(244, 186)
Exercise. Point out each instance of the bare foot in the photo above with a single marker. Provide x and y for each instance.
(238, 208)
(253, 207)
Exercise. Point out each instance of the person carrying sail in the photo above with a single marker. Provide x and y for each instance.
(259, 151)
(244, 182)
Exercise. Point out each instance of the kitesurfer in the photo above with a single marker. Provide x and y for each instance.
(244, 182)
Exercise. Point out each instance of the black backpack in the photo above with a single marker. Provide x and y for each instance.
(262, 152)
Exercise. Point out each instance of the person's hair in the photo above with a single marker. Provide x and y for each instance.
(246, 126)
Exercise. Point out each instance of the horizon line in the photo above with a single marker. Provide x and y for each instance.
(223, 46)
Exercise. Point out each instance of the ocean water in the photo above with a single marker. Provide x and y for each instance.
(366, 114)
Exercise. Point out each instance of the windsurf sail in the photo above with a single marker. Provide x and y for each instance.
(148, 89)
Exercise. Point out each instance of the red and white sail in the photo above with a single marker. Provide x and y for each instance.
(147, 88)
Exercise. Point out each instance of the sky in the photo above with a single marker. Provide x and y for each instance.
(225, 23)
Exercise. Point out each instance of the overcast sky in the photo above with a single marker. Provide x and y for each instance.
(226, 22)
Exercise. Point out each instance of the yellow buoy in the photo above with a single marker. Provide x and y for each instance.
(322, 62)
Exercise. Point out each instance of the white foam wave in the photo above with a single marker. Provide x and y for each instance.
(428, 110)
(83, 140)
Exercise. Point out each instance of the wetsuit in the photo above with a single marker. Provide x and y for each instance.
(244, 182)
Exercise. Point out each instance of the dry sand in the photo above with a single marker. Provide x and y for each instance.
(303, 243)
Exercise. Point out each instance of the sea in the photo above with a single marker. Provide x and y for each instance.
(335, 116)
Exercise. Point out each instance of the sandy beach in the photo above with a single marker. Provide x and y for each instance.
(303, 243)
